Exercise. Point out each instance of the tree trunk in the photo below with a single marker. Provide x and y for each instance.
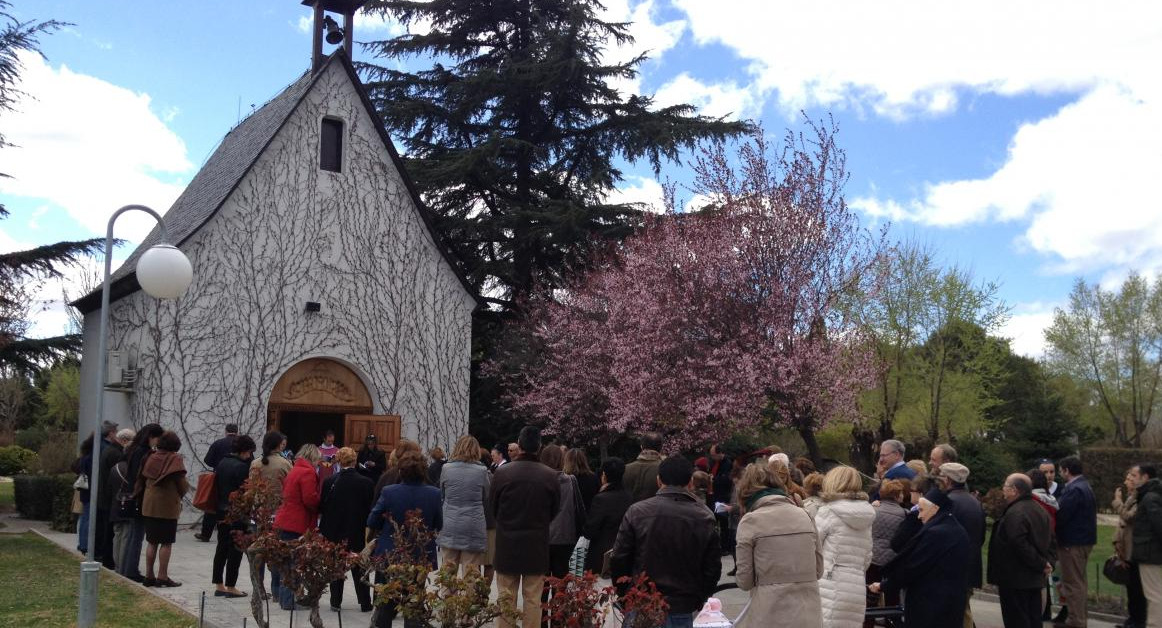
(863, 452)
(813, 452)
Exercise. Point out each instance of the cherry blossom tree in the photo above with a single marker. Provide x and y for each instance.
(717, 320)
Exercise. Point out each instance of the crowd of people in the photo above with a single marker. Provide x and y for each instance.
(811, 548)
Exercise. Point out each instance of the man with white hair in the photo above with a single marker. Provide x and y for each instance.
(892, 461)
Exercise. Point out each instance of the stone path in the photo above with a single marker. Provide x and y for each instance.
(192, 561)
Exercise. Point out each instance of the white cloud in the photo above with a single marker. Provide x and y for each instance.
(1026, 328)
(89, 147)
(642, 190)
(718, 99)
(364, 23)
(1083, 180)
(650, 37)
(902, 58)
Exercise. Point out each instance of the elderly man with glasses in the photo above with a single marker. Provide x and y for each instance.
(1020, 554)
(892, 461)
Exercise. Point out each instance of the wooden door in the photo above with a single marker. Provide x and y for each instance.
(385, 427)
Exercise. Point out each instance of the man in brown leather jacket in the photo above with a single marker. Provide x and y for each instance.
(673, 537)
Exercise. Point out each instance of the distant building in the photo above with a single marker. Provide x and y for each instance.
(321, 298)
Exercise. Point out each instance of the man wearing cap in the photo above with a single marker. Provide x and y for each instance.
(218, 450)
(931, 567)
(952, 477)
(1020, 554)
(372, 461)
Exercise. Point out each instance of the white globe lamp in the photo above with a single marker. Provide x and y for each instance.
(164, 272)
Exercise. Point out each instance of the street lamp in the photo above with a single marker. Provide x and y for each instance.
(164, 272)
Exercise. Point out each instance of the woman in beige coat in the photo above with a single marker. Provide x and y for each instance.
(779, 558)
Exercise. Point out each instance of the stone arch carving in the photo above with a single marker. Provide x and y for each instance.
(320, 383)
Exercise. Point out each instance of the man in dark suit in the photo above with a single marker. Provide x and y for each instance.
(525, 497)
(345, 502)
(1076, 536)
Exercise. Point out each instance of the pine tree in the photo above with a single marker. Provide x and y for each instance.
(17, 351)
(512, 136)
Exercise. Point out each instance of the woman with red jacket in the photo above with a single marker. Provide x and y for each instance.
(299, 511)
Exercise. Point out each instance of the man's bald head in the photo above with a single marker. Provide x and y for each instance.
(1019, 486)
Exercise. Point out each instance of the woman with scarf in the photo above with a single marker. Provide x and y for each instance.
(780, 559)
(162, 484)
(932, 569)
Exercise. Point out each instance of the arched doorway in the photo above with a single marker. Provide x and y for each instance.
(317, 395)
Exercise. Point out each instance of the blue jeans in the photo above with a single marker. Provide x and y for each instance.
(286, 595)
(83, 528)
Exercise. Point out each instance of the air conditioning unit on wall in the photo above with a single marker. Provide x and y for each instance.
(119, 374)
(114, 366)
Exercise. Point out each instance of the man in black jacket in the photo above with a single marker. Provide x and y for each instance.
(524, 499)
(673, 538)
(345, 501)
(1147, 552)
(953, 478)
(218, 450)
(1020, 554)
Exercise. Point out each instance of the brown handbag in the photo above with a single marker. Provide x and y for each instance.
(206, 497)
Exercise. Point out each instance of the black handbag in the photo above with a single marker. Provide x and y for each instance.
(1117, 570)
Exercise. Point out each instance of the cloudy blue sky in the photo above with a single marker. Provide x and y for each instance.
(1022, 140)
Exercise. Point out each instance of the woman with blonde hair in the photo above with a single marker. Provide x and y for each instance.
(779, 464)
(779, 558)
(464, 485)
(844, 522)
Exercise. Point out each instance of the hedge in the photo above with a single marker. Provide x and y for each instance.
(1105, 468)
(46, 498)
(15, 459)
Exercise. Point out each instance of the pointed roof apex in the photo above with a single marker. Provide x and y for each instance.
(232, 160)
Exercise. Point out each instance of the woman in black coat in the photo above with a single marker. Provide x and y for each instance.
(230, 475)
(609, 506)
(345, 502)
(932, 568)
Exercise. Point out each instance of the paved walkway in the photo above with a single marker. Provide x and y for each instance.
(191, 565)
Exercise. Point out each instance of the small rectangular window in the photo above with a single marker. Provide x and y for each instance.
(331, 145)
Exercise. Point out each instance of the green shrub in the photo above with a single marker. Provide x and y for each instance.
(44, 497)
(15, 459)
(34, 437)
(988, 463)
(1105, 468)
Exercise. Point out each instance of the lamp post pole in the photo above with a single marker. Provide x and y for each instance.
(90, 568)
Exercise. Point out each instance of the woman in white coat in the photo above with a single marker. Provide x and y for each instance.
(844, 522)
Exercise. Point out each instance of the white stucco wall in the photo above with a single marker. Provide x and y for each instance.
(291, 233)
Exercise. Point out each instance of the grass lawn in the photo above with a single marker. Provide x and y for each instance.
(40, 590)
(1097, 558)
(7, 502)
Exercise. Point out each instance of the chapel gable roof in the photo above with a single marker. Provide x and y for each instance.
(228, 166)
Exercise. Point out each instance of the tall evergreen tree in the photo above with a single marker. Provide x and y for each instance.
(17, 351)
(512, 135)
